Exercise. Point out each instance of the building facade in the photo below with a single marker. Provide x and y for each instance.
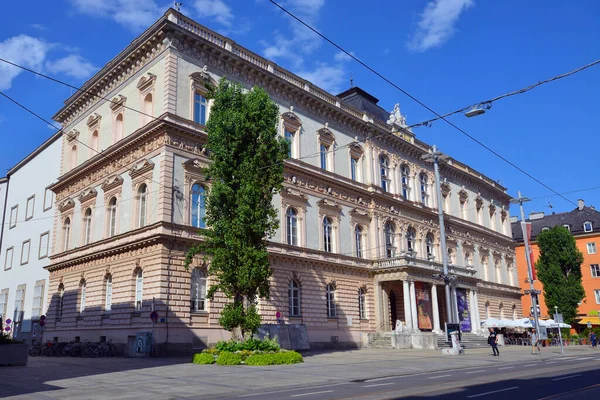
(26, 237)
(584, 223)
(358, 245)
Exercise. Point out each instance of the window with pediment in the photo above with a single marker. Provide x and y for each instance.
(405, 181)
(358, 241)
(463, 199)
(384, 173)
(198, 290)
(424, 186)
(293, 211)
(356, 161)
(200, 85)
(411, 241)
(146, 86)
(328, 234)
(479, 209)
(198, 207)
(290, 130)
(429, 246)
(87, 226)
(291, 226)
(326, 149)
(294, 298)
(117, 106)
(112, 216)
(389, 232)
(66, 234)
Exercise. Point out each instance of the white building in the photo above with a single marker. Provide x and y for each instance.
(26, 236)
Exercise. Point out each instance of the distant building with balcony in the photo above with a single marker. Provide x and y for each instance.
(358, 245)
(584, 224)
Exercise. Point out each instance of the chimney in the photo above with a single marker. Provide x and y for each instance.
(580, 204)
(536, 215)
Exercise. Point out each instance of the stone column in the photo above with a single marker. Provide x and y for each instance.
(407, 302)
(385, 304)
(378, 306)
(436, 310)
(455, 302)
(474, 326)
(476, 311)
(413, 307)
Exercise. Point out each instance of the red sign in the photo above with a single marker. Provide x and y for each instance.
(277, 315)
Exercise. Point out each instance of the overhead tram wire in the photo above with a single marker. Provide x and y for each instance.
(513, 93)
(422, 104)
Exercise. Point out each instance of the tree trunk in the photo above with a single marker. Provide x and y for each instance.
(236, 334)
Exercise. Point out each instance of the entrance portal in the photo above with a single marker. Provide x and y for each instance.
(393, 312)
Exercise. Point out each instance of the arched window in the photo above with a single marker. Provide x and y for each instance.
(148, 108)
(66, 233)
(411, 236)
(429, 247)
(362, 303)
(119, 127)
(289, 138)
(61, 300)
(139, 288)
(330, 293)
(424, 192)
(87, 226)
(198, 290)
(327, 235)
(358, 233)
(384, 168)
(112, 217)
(405, 176)
(294, 298)
(198, 206)
(73, 157)
(200, 108)
(390, 234)
(95, 143)
(142, 204)
(82, 299)
(108, 294)
(291, 225)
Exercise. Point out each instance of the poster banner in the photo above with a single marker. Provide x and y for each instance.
(424, 312)
(464, 316)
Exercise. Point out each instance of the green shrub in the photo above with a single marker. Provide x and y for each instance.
(229, 358)
(203, 358)
(251, 344)
(212, 351)
(285, 357)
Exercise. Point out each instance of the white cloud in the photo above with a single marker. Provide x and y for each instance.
(300, 41)
(72, 65)
(328, 77)
(215, 9)
(342, 57)
(23, 50)
(437, 23)
(133, 14)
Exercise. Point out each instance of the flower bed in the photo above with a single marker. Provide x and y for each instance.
(249, 352)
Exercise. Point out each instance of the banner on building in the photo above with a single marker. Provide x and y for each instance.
(425, 315)
(464, 315)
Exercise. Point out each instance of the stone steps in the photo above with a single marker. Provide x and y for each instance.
(469, 341)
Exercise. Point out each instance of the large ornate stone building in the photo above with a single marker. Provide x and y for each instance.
(358, 245)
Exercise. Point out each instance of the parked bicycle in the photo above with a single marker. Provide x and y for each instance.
(37, 348)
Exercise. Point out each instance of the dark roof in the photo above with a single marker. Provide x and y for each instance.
(574, 219)
(359, 99)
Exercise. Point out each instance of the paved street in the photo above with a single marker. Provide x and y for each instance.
(360, 374)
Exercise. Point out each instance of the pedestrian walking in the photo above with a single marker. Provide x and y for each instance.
(593, 339)
(493, 341)
(535, 342)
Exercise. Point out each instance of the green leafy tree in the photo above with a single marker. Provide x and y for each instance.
(559, 270)
(246, 170)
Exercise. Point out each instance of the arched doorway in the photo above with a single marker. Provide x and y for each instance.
(393, 312)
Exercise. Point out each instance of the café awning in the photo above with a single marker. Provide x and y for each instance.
(593, 320)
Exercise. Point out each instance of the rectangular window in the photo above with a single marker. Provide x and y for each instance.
(289, 137)
(25, 251)
(587, 227)
(29, 208)
(139, 285)
(48, 198)
(595, 269)
(38, 300)
(3, 301)
(108, 302)
(8, 258)
(324, 150)
(591, 248)
(354, 168)
(44, 243)
(83, 297)
(200, 105)
(597, 294)
(19, 304)
(14, 212)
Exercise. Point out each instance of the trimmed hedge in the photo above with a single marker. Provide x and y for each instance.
(251, 344)
(287, 357)
(228, 358)
(203, 358)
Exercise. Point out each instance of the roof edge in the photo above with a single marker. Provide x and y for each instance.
(34, 153)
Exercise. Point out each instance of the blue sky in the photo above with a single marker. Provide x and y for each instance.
(447, 53)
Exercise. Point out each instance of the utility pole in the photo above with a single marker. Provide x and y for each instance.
(532, 290)
(436, 156)
(562, 349)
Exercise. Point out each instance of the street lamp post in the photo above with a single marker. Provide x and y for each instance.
(532, 290)
(436, 156)
(562, 349)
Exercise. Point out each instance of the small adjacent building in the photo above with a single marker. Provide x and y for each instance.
(26, 237)
(584, 224)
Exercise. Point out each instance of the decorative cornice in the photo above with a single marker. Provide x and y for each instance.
(65, 205)
(87, 194)
(146, 82)
(329, 204)
(112, 182)
(289, 192)
(141, 168)
(118, 102)
(93, 120)
(72, 135)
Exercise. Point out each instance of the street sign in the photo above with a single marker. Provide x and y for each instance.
(558, 318)
(589, 325)
(153, 316)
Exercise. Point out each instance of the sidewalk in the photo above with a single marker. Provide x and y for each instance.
(77, 378)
